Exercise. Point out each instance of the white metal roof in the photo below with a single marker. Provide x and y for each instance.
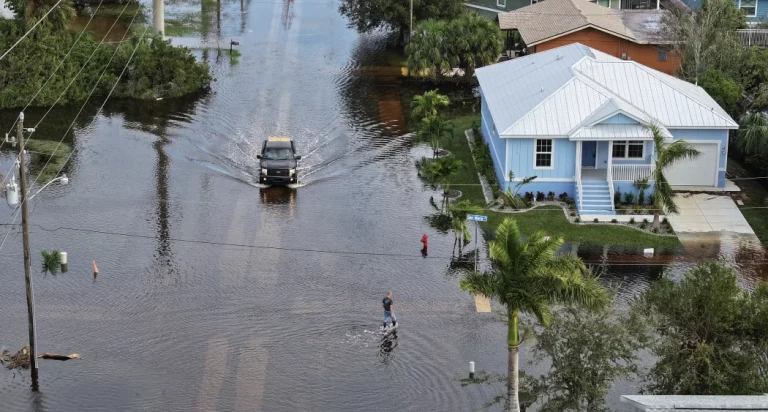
(692, 403)
(614, 131)
(554, 92)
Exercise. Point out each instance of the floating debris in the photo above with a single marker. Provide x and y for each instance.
(19, 360)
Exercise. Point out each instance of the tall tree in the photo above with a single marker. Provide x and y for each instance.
(705, 39)
(467, 42)
(369, 15)
(666, 155)
(440, 172)
(435, 130)
(427, 51)
(528, 277)
(588, 351)
(474, 41)
(710, 335)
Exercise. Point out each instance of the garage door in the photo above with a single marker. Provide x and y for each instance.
(696, 172)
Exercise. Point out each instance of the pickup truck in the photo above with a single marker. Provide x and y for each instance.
(278, 161)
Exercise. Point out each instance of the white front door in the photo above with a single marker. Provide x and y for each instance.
(701, 171)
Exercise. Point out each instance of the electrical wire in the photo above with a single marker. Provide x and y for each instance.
(16, 214)
(336, 252)
(30, 30)
(54, 71)
(71, 81)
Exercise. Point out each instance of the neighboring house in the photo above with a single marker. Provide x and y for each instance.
(626, 34)
(663, 403)
(491, 8)
(755, 10)
(574, 117)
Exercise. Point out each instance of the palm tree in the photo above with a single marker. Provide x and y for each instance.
(666, 155)
(475, 42)
(753, 134)
(426, 50)
(51, 261)
(426, 105)
(441, 172)
(434, 130)
(459, 213)
(528, 278)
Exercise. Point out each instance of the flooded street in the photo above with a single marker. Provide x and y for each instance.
(216, 293)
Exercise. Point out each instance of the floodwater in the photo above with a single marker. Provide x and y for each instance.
(215, 293)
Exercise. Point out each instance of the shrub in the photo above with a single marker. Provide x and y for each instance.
(645, 221)
(632, 221)
(569, 201)
(563, 197)
(617, 197)
(664, 221)
(629, 198)
(650, 199)
(641, 197)
(529, 197)
(643, 225)
(551, 196)
(573, 214)
(595, 220)
(614, 221)
(539, 196)
(655, 230)
(577, 220)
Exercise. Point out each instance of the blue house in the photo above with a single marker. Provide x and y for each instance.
(575, 118)
(754, 10)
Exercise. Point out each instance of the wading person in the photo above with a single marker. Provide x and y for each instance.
(388, 311)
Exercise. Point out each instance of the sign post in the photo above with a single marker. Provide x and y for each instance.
(477, 218)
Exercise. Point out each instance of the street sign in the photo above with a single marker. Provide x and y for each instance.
(477, 218)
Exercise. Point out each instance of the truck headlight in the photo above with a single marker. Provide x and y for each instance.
(292, 172)
(264, 171)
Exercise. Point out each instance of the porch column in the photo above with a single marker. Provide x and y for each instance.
(578, 160)
(610, 158)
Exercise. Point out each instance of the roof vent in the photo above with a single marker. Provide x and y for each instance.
(623, 56)
(558, 57)
(542, 88)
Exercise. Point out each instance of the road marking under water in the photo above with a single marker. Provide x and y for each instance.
(213, 376)
(483, 304)
(251, 376)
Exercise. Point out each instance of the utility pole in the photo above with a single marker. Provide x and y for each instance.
(158, 17)
(411, 25)
(27, 255)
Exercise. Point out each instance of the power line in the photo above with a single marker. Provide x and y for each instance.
(93, 53)
(54, 71)
(341, 252)
(30, 30)
(16, 214)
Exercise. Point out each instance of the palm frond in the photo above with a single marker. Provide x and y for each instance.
(478, 283)
(753, 134)
(51, 261)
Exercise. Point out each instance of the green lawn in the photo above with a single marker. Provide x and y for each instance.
(552, 221)
(754, 194)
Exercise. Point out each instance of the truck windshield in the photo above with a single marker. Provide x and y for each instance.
(278, 154)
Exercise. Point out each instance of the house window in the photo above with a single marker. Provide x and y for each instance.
(749, 7)
(662, 54)
(633, 149)
(543, 153)
(501, 3)
(604, 3)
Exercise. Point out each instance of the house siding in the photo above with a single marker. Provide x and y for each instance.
(496, 145)
(762, 8)
(520, 155)
(492, 4)
(645, 54)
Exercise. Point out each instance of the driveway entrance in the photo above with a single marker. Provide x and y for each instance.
(708, 213)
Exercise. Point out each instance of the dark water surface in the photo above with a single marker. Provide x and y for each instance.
(225, 297)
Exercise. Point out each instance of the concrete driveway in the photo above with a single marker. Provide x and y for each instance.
(708, 213)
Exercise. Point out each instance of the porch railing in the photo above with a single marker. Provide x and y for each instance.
(630, 173)
(610, 187)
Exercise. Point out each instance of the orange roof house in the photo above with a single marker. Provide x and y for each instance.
(626, 34)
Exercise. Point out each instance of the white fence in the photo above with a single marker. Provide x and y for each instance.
(630, 173)
(753, 37)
